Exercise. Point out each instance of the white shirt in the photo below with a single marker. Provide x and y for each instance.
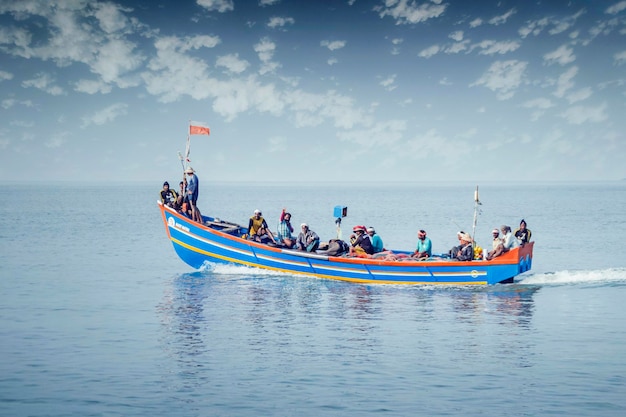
(509, 241)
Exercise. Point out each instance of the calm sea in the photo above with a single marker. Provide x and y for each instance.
(99, 317)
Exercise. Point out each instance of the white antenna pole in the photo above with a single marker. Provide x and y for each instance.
(476, 204)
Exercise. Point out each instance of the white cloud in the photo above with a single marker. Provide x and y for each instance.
(396, 42)
(409, 13)
(172, 73)
(105, 115)
(565, 82)
(457, 47)
(220, 6)
(534, 27)
(5, 76)
(114, 59)
(500, 20)
(232, 63)
(44, 82)
(616, 8)
(57, 140)
(563, 55)
(92, 87)
(456, 36)
(489, 47)
(561, 25)
(239, 95)
(434, 144)
(389, 83)
(110, 17)
(67, 35)
(10, 102)
(332, 61)
(279, 22)
(476, 22)
(580, 95)
(538, 103)
(620, 58)
(503, 77)
(382, 134)
(430, 51)
(333, 45)
(264, 3)
(580, 114)
(265, 50)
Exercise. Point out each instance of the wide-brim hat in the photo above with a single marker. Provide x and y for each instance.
(189, 170)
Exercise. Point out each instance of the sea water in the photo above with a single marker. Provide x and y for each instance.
(99, 317)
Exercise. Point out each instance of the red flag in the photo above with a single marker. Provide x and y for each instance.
(199, 130)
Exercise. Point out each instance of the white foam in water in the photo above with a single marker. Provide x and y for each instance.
(550, 278)
(574, 277)
(228, 269)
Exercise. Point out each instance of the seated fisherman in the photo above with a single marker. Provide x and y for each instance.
(258, 230)
(465, 251)
(307, 240)
(523, 234)
(508, 242)
(424, 247)
(377, 242)
(169, 197)
(361, 242)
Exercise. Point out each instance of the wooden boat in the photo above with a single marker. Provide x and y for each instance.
(218, 241)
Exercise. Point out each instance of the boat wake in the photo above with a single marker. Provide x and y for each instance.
(227, 269)
(600, 276)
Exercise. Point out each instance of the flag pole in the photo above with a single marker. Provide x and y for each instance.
(476, 204)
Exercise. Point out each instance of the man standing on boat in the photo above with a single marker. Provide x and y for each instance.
(193, 185)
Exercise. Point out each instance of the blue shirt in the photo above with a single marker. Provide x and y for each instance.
(377, 243)
(284, 230)
(424, 246)
(192, 187)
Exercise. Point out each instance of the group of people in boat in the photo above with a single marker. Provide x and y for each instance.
(185, 201)
(307, 239)
(366, 243)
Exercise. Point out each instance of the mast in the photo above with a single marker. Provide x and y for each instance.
(476, 204)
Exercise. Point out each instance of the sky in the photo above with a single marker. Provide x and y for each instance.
(310, 91)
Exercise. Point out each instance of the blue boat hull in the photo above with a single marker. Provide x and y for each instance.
(220, 242)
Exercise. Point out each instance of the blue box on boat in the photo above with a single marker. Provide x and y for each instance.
(340, 211)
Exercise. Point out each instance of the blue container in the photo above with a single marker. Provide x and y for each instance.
(340, 211)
